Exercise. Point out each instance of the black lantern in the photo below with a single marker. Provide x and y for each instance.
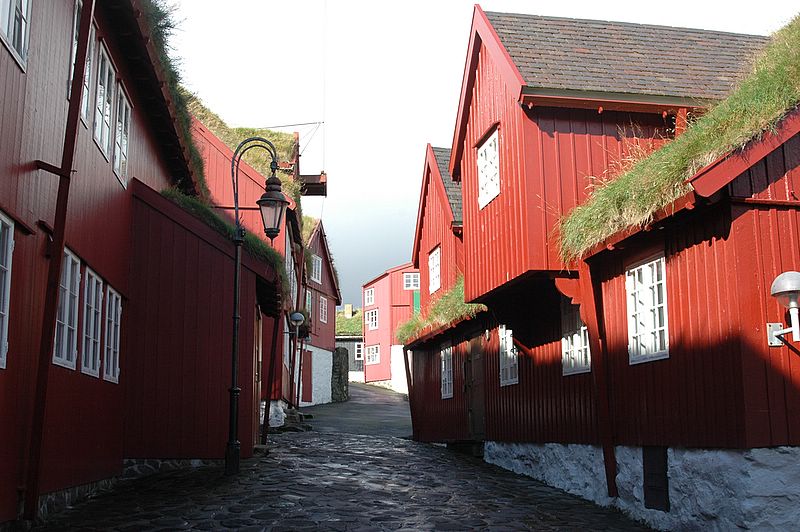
(272, 204)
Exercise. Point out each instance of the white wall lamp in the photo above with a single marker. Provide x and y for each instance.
(786, 288)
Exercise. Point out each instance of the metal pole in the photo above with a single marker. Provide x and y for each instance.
(233, 449)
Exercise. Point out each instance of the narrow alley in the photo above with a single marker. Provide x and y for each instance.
(350, 472)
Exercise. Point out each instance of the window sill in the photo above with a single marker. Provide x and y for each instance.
(64, 363)
(575, 371)
(509, 383)
(647, 358)
(21, 63)
(114, 380)
(90, 373)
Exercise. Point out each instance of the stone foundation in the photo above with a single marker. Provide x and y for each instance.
(755, 489)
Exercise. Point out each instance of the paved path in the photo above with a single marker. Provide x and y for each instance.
(337, 481)
(370, 410)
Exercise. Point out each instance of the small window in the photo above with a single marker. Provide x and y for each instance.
(323, 309)
(92, 323)
(359, 351)
(373, 354)
(648, 335)
(66, 340)
(122, 137)
(14, 17)
(371, 319)
(76, 22)
(410, 281)
(434, 270)
(6, 253)
(113, 322)
(509, 366)
(104, 102)
(575, 357)
(369, 297)
(316, 268)
(488, 171)
(309, 303)
(446, 356)
(86, 97)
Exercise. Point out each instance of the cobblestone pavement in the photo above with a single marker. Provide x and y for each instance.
(342, 482)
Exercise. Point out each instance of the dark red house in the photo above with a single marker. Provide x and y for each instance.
(579, 388)
(101, 275)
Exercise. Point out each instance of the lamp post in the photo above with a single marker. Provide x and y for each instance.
(272, 205)
(786, 289)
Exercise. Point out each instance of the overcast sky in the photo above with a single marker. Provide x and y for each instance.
(385, 78)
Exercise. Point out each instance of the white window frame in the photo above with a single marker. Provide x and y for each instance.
(6, 256)
(371, 319)
(446, 359)
(359, 351)
(65, 345)
(411, 281)
(16, 40)
(104, 101)
(648, 330)
(316, 268)
(309, 303)
(88, 73)
(372, 355)
(113, 331)
(488, 158)
(323, 309)
(434, 269)
(509, 360)
(122, 136)
(92, 323)
(76, 19)
(369, 297)
(575, 354)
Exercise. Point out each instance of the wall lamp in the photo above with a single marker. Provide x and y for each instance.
(786, 288)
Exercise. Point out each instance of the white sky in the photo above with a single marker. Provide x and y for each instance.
(385, 78)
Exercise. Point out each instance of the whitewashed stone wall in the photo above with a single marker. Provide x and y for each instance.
(321, 369)
(356, 376)
(398, 365)
(757, 489)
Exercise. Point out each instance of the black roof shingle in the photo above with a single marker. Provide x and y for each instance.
(452, 188)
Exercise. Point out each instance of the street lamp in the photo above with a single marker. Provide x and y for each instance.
(786, 289)
(272, 205)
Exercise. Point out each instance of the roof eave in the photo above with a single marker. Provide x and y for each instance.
(609, 101)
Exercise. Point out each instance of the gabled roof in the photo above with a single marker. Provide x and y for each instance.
(615, 65)
(319, 232)
(435, 176)
(405, 266)
(596, 55)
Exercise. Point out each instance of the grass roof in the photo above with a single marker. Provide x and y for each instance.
(252, 244)
(651, 183)
(352, 326)
(444, 310)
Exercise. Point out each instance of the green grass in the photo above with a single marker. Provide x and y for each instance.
(757, 105)
(352, 326)
(446, 309)
(252, 244)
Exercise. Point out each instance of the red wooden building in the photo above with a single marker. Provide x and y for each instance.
(322, 296)
(568, 386)
(388, 301)
(101, 275)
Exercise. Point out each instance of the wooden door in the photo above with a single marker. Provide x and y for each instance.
(307, 374)
(475, 389)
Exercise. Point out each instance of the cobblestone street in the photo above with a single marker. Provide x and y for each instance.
(338, 481)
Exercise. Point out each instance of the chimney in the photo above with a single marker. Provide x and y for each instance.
(348, 310)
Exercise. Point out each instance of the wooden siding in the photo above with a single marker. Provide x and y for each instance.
(176, 399)
(323, 335)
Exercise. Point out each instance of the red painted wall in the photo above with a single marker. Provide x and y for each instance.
(323, 335)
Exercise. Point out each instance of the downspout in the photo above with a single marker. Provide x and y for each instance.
(592, 314)
(33, 466)
(271, 376)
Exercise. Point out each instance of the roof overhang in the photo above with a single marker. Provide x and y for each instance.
(314, 185)
(430, 174)
(608, 101)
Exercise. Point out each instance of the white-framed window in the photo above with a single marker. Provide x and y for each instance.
(446, 356)
(92, 323)
(434, 270)
(648, 334)
(104, 101)
(86, 97)
(122, 136)
(369, 297)
(323, 309)
(316, 268)
(373, 354)
(371, 319)
(113, 326)
(411, 281)
(76, 22)
(14, 18)
(65, 349)
(309, 303)
(6, 254)
(359, 351)
(575, 356)
(488, 170)
(509, 365)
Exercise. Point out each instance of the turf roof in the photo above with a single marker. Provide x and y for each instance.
(761, 100)
(352, 326)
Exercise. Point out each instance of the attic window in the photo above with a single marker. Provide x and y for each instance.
(14, 16)
(488, 170)
(316, 268)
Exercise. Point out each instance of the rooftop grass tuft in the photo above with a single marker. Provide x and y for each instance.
(760, 101)
(449, 307)
(352, 326)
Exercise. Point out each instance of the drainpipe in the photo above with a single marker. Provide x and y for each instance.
(592, 313)
(33, 466)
